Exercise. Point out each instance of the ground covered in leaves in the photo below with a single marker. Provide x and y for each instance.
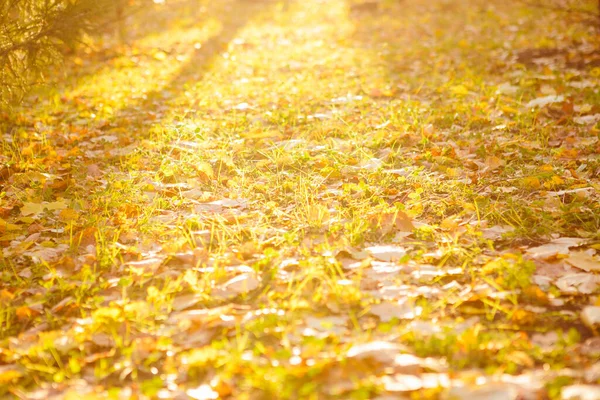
(308, 199)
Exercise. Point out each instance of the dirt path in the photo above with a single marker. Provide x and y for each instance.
(305, 200)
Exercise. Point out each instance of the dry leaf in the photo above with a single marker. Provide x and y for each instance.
(324, 326)
(202, 392)
(149, 265)
(584, 261)
(5, 226)
(587, 119)
(403, 309)
(68, 215)
(397, 221)
(242, 283)
(386, 253)
(580, 392)
(459, 90)
(381, 351)
(578, 283)
(186, 301)
(556, 247)
(496, 391)
(590, 315)
(402, 383)
(93, 170)
(544, 101)
(496, 232)
(493, 162)
(37, 208)
(9, 373)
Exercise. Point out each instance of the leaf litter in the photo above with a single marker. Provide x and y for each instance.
(321, 211)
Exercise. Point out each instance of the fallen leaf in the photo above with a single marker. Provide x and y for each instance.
(202, 392)
(578, 283)
(530, 182)
(590, 315)
(496, 232)
(186, 301)
(9, 373)
(46, 253)
(397, 221)
(93, 170)
(493, 162)
(372, 164)
(496, 391)
(459, 90)
(68, 215)
(37, 208)
(242, 107)
(587, 119)
(556, 247)
(381, 351)
(544, 101)
(507, 88)
(324, 326)
(25, 312)
(403, 309)
(31, 208)
(411, 364)
(584, 261)
(580, 392)
(148, 265)
(26, 273)
(386, 253)
(582, 193)
(402, 383)
(243, 283)
(5, 226)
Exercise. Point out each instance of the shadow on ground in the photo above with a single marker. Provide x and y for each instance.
(238, 14)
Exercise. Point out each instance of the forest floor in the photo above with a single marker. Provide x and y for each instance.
(309, 199)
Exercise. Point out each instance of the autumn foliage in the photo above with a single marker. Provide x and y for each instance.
(302, 199)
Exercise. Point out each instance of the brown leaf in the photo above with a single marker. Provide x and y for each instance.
(584, 261)
(403, 309)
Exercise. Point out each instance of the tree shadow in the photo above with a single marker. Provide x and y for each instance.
(238, 14)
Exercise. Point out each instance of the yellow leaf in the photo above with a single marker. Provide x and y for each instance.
(459, 90)
(68, 215)
(9, 373)
(160, 55)
(31, 208)
(37, 208)
(56, 205)
(5, 226)
(25, 312)
(395, 221)
(553, 182)
(200, 357)
(509, 110)
(450, 223)
(567, 153)
(493, 162)
(9, 236)
(531, 182)
(452, 172)
(27, 151)
(205, 169)
(6, 295)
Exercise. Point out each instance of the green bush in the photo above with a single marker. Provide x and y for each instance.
(35, 33)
